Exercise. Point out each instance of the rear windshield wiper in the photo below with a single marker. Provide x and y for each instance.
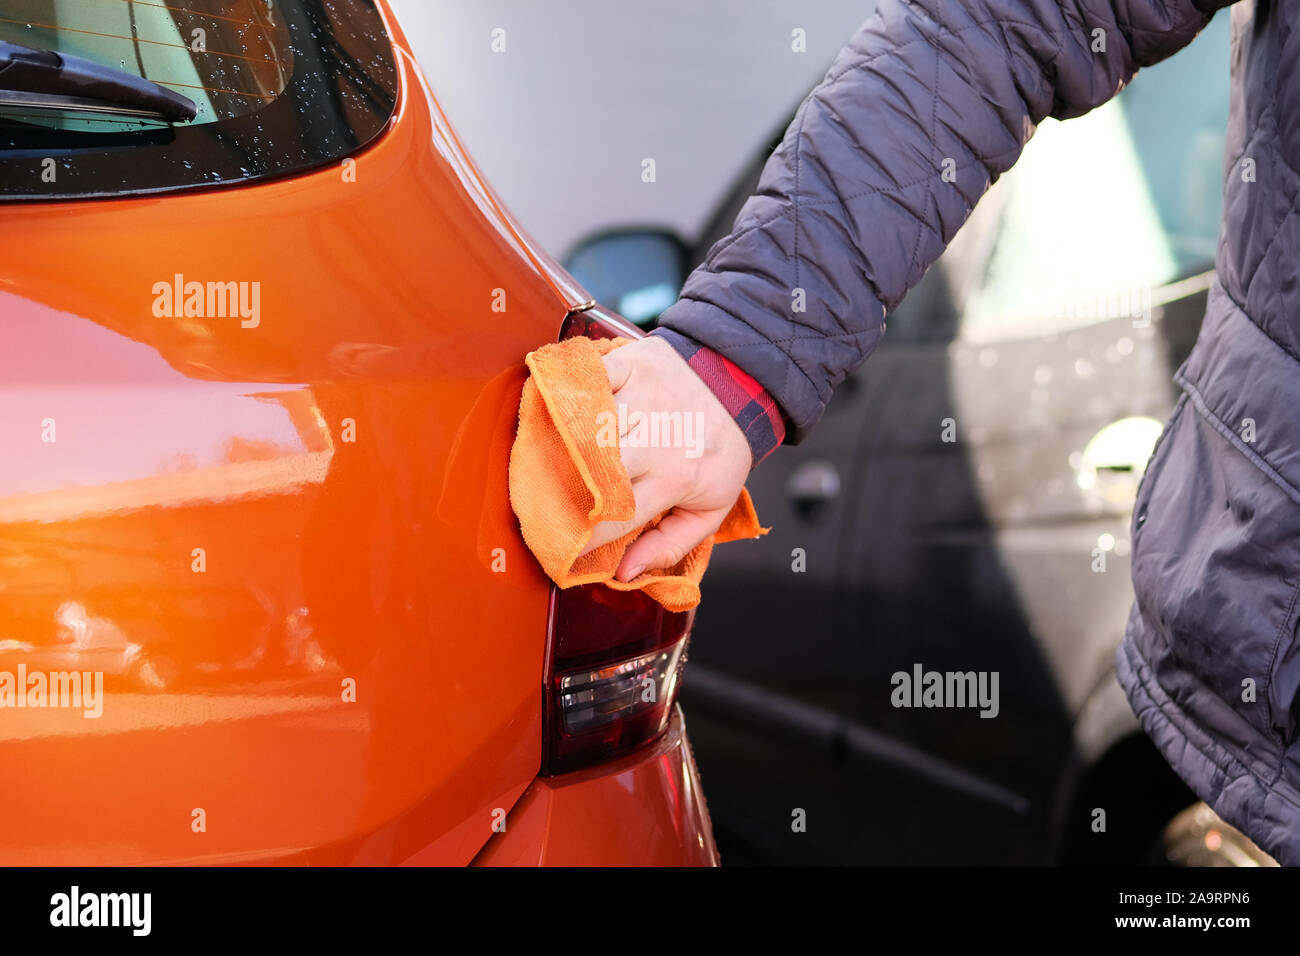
(44, 79)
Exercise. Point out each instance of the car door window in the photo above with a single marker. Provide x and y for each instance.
(1103, 210)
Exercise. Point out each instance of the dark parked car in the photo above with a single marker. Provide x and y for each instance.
(964, 509)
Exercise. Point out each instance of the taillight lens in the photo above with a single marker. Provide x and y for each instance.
(614, 658)
(614, 661)
(598, 323)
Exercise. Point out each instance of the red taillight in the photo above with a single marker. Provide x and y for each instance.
(613, 657)
(613, 663)
(598, 323)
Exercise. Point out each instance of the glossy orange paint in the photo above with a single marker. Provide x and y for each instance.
(647, 808)
(285, 545)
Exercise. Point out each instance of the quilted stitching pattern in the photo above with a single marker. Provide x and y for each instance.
(854, 207)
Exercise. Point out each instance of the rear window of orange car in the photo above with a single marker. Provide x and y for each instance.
(278, 87)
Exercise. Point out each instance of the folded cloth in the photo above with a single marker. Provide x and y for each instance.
(566, 477)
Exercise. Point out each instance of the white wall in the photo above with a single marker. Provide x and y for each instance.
(587, 88)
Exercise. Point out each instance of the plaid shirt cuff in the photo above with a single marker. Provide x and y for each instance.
(745, 400)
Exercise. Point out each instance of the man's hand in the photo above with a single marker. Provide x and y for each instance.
(696, 479)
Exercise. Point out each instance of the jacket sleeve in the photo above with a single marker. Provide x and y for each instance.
(919, 114)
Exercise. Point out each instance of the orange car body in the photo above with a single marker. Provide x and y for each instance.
(286, 543)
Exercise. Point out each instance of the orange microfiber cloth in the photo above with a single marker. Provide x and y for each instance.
(563, 481)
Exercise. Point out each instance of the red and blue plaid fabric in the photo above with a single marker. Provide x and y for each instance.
(745, 400)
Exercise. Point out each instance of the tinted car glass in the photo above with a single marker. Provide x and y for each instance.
(280, 86)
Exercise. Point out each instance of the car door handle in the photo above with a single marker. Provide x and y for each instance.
(1112, 463)
(812, 487)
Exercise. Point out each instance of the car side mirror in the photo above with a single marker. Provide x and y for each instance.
(636, 272)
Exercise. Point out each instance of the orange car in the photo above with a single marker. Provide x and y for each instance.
(262, 598)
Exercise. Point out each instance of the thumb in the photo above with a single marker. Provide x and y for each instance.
(668, 542)
(618, 368)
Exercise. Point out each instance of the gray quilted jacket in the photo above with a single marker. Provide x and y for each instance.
(855, 205)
